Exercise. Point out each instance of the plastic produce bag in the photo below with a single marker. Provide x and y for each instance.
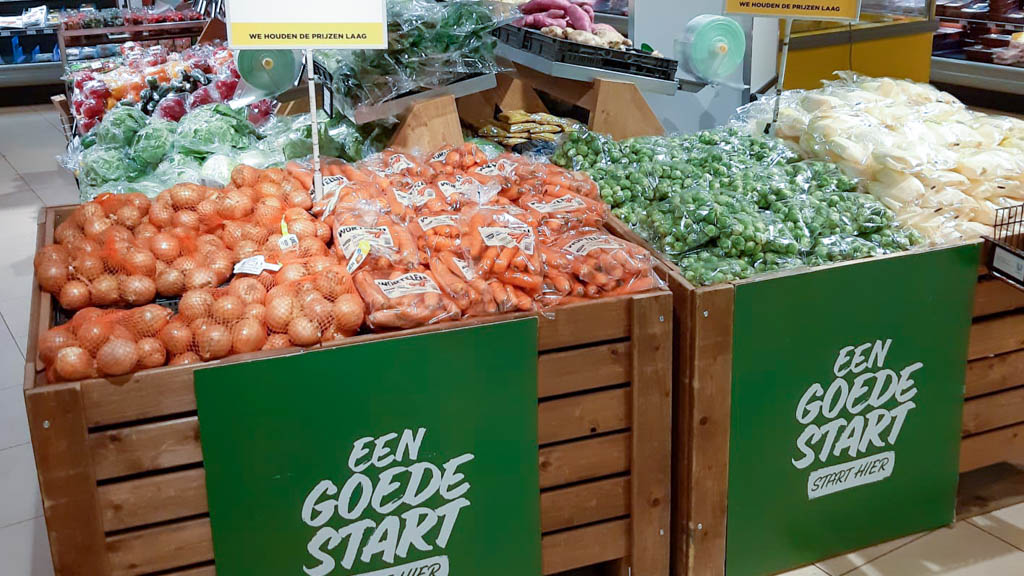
(590, 263)
(119, 126)
(153, 142)
(399, 299)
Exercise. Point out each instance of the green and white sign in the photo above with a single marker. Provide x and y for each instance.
(412, 456)
(847, 393)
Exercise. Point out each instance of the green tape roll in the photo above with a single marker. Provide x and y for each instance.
(711, 47)
(269, 71)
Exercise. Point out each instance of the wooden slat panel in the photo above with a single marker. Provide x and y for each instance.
(994, 374)
(996, 336)
(583, 415)
(148, 447)
(709, 430)
(1003, 445)
(993, 296)
(154, 393)
(585, 546)
(66, 481)
(582, 369)
(585, 323)
(153, 499)
(161, 548)
(993, 411)
(584, 504)
(583, 460)
(651, 468)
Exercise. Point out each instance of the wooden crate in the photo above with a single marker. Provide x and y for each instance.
(121, 466)
(993, 424)
(702, 371)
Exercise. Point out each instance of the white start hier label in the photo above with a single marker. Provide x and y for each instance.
(558, 205)
(584, 245)
(428, 222)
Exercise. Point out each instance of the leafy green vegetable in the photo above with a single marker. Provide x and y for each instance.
(725, 205)
(153, 142)
(119, 126)
(101, 164)
(214, 128)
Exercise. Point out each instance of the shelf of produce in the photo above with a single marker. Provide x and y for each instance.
(121, 464)
(981, 75)
(588, 74)
(1016, 27)
(116, 34)
(390, 108)
(28, 31)
(30, 74)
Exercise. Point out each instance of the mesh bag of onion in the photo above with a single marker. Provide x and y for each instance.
(104, 343)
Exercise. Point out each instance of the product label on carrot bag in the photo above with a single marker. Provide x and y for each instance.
(412, 283)
(447, 187)
(333, 186)
(508, 237)
(255, 265)
(583, 246)
(358, 241)
(397, 163)
(467, 271)
(489, 169)
(428, 222)
(417, 195)
(506, 168)
(440, 156)
(567, 202)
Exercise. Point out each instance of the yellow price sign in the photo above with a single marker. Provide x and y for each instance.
(797, 9)
(307, 24)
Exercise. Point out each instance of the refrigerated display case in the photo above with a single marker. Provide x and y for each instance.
(975, 46)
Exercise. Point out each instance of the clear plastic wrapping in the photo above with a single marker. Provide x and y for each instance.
(920, 151)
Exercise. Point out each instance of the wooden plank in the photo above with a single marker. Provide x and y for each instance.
(429, 125)
(584, 504)
(993, 411)
(1002, 445)
(606, 117)
(147, 447)
(992, 296)
(996, 335)
(994, 374)
(146, 395)
(651, 468)
(583, 415)
(583, 369)
(153, 499)
(709, 430)
(583, 460)
(584, 323)
(585, 546)
(161, 548)
(66, 481)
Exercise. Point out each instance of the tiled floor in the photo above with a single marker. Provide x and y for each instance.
(30, 139)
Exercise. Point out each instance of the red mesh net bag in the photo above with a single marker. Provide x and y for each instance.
(591, 263)
(104, 343)
(397, 299)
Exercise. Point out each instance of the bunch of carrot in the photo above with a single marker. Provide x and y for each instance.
(491, 235)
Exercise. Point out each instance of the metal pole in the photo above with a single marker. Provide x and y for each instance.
(782, 76)
(318, 183)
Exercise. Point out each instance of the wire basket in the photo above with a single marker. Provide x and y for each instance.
(1005, 253)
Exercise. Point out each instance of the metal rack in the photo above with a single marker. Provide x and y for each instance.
(1005, 248)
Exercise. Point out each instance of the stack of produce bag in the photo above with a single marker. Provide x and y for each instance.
(943, 169)
(395, 241)
(725, 205)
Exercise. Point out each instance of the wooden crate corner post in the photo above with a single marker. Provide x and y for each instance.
(67, 483)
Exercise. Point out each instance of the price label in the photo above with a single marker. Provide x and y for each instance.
(845, 10)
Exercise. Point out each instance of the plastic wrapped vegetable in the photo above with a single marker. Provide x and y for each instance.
(153, 142)
(106, 163)
(398, 299)
(120, 126)
(590, 263)
(214, 128)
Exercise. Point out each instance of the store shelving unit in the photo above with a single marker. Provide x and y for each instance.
(951, 65)
(120, 34)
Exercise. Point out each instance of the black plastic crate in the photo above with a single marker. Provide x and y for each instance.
(567, 52)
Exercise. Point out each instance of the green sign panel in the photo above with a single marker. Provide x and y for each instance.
(847, 392)
(413, 456)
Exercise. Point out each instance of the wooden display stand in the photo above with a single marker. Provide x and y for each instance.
(616, 108)
(702, 371)
(121, 466)
(993, 424)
